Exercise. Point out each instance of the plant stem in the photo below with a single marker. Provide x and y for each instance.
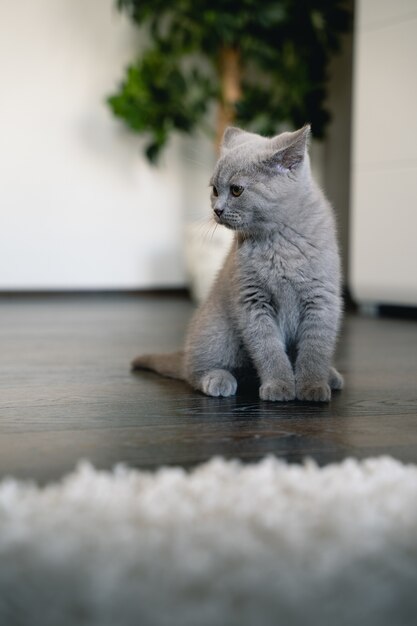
(230, 75)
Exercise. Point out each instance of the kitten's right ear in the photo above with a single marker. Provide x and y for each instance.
(286, 151)
(229, 137)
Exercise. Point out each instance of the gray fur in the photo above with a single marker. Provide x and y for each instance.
(276, 302)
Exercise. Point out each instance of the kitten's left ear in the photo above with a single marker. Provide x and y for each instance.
(232, 137)
(230, 134)
(287, 151)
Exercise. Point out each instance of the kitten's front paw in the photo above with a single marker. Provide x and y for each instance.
(277, 391)
(219, 383)
(314, 392)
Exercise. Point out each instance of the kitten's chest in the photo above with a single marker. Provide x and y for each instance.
(273, 278)
(277, 268)
(278, 279)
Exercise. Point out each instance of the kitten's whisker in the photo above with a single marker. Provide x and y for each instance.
(211, 227)
(194, 161)
(202, 224)
(214, 230)
(198, 153)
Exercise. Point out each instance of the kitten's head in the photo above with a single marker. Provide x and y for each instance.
(257, 179)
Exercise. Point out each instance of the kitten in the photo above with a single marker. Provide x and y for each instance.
(276, 302)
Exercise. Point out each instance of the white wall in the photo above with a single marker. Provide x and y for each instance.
(79, 206)
(383, 266)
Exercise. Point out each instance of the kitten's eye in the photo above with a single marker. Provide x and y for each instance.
(215, 192)
(236, 190)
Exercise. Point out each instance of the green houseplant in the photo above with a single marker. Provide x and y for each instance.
(259, 65)
(263, 65)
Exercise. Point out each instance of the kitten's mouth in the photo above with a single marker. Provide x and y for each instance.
(227, 224)
(232, 225)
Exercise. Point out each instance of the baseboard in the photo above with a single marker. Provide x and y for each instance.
(95, 293)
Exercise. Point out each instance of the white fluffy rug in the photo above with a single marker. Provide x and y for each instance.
(227, 544)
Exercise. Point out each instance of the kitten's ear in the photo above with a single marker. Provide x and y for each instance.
(230, 135)
(287, 151)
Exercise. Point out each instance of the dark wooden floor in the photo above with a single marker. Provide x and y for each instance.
(66, 393)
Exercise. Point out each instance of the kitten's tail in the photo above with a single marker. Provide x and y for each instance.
(170, 365)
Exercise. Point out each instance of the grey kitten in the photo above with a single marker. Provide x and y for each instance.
(276, 303)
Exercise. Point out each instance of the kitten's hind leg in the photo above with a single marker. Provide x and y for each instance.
(218, 382)
(335, 379)
(212, 352)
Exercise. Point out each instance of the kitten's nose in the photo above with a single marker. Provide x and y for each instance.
(218, 212)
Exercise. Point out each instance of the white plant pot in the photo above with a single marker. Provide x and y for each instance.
(204, 255)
